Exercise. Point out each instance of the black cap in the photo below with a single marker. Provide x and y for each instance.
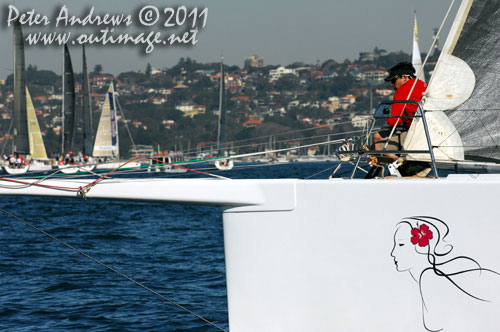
(402, 68)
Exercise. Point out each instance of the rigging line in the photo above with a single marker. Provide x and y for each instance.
(326, 169)
(111, 269)
(422, 68)
(465, 146)
(29, 184)
(456, 129)
(475, 110)
(210, 147)
(188, 169)
(259, 153)
(489, 134)
(37, 184)
(89, 185)
(437, 36)
(287, 132)
(293, 139)
(486, 129)
(125, 121)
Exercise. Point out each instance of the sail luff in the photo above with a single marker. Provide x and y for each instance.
(37, 146)
(21, 139)
(221, 133)
(88, 139)
(68, 102)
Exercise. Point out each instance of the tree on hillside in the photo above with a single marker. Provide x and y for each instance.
(97, 69)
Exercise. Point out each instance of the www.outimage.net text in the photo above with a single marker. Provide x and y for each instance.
(189, 21)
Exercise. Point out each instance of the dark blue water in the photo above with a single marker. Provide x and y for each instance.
(177, 250)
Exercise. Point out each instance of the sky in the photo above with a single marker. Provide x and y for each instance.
(280, 31)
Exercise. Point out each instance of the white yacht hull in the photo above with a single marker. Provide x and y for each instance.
(68, 169)
(166, 169)
(224, 165)
(319, 255)
(116, 164)
(16, 170)
(40, 166)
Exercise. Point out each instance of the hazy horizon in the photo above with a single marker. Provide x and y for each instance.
(281, 32)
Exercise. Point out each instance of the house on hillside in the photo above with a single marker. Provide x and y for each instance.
(347, 101)
(101, 80)
(332, 104)
(188, 108)
(252, 123)
(276, 74)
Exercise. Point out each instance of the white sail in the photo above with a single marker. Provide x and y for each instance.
(106, 141)
(37, 147)
(416, 59)
(465, 81)
(453, 80)
(444, 137)
(451, 84)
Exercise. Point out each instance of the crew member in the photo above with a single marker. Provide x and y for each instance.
(408, 87)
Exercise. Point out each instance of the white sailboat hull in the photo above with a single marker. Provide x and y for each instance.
(16, 170)
(165, 169)
(116, 164)
(68, 169)
(224, 165)
(40, 166)
(318, 255)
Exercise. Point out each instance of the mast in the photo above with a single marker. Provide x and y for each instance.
(69, 118)
(88, 139)
(221, 133)
(62, 105)
(21, 139)
(114, 123)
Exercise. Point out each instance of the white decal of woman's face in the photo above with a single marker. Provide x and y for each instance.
(404, 253)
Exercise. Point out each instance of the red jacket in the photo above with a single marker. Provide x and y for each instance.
(403, 93)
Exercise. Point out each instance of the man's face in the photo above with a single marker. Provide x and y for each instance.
(399, 81)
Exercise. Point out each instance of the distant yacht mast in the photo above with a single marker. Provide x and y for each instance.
(221, 132)
(416, 59)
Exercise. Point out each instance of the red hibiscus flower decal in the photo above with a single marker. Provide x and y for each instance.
(421, 236)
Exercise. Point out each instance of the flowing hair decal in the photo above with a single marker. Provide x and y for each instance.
(426, 237)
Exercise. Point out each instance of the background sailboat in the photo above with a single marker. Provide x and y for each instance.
(222, 164)
(20, 128)
(69, 122)
(39, 162)
(106, 151)
(28, 141)
(88, 137)
(69, 118)
(106, 140)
